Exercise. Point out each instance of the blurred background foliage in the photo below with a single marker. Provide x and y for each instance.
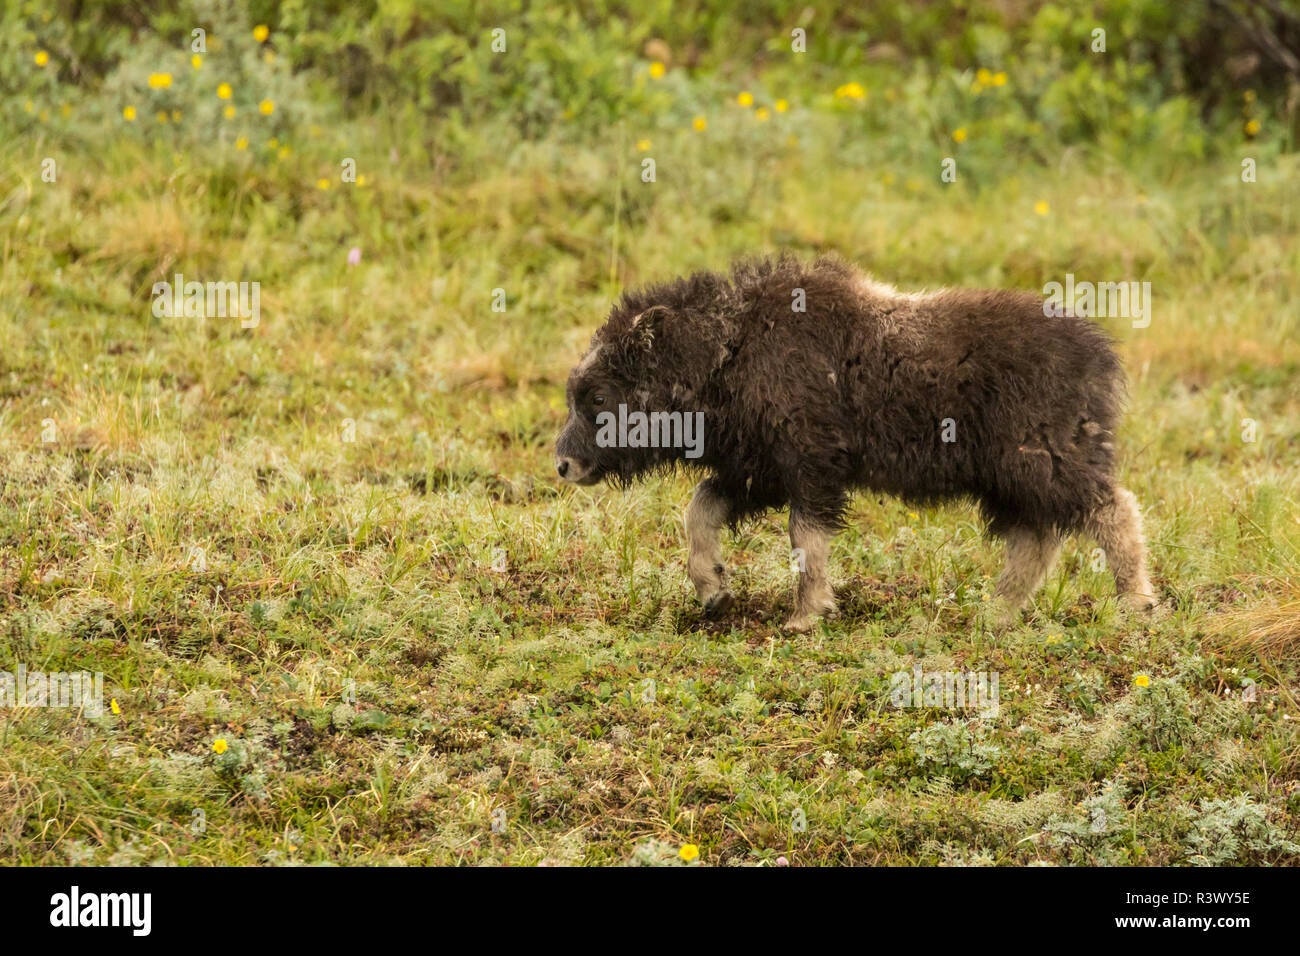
(1187, 77)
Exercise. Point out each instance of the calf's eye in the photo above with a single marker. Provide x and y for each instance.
(598, 400)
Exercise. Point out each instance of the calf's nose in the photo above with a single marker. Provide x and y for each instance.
(562, 466)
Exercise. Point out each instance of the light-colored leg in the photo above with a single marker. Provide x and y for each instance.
(1031, 552)
(1118, 530)
(814, 596)
(705, 517)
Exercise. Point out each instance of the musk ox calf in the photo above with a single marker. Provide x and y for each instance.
(789, 383)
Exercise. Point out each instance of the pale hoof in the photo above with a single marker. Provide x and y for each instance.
(1002, 614)
(1141, 602)
(800, 624)
(803, 623)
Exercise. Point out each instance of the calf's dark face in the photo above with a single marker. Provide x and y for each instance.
(593, 389)
(652, 364)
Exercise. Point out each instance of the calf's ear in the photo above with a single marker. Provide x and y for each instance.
(649, 325)
(685, 337)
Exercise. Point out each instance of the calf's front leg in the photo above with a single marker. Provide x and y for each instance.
(813, 597)
(708, 512)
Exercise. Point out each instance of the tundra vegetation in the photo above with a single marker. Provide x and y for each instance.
(346, 613)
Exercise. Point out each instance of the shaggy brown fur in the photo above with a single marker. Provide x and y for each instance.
(931, 396)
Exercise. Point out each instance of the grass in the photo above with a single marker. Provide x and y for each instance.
(418, 648)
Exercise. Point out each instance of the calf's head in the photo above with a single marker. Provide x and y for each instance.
(655, 361)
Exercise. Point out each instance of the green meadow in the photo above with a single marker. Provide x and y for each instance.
(344, 611)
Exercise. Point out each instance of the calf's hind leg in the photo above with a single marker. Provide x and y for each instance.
(1117, 526)
(707, 513)
(1031, 552)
